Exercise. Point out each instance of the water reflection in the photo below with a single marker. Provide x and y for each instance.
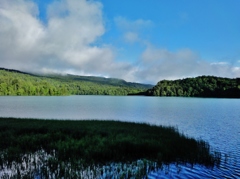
(216, 121)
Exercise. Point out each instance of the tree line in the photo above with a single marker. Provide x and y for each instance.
(203, 86)
(15, 83)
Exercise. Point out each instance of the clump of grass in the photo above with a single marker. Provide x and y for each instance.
(85, 143)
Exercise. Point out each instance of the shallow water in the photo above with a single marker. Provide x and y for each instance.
(216, 121)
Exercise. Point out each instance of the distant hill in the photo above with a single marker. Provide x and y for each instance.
(203, 86)
(100, 80)
(14, 82)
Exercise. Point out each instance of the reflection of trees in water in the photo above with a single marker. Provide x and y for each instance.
(59, 148)
(42, 165)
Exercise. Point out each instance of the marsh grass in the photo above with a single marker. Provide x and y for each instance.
(61, 148)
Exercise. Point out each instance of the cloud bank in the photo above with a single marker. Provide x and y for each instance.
(69, 42)
(158, 64)
(65, 43)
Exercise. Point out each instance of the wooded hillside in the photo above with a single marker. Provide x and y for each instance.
(203, 86)
(13, 82)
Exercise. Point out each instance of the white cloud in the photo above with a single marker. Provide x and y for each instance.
(237, 70)
(132, 25)
(158, 64)
(131, 37)
(219, 63)
(65, 42)
(20, 30)
(133, 31)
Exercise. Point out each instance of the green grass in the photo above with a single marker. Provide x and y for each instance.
(93, 142)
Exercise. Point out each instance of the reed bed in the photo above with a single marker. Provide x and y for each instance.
(94, 149)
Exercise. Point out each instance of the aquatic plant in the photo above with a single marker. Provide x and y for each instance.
(61, 148)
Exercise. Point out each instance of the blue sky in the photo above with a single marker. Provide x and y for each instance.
(137, 40)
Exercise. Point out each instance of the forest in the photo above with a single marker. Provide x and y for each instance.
(203, 86)
(17, 83)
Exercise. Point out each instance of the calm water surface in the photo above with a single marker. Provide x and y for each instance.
(216, 121)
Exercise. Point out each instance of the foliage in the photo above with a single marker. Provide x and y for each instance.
(203, 86)
(13, 82)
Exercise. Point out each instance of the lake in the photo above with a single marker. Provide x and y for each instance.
(216, 121)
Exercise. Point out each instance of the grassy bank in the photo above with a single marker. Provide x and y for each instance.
(94, 143)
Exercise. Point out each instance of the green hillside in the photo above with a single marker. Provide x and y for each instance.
(203, 86)
(13, 82)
